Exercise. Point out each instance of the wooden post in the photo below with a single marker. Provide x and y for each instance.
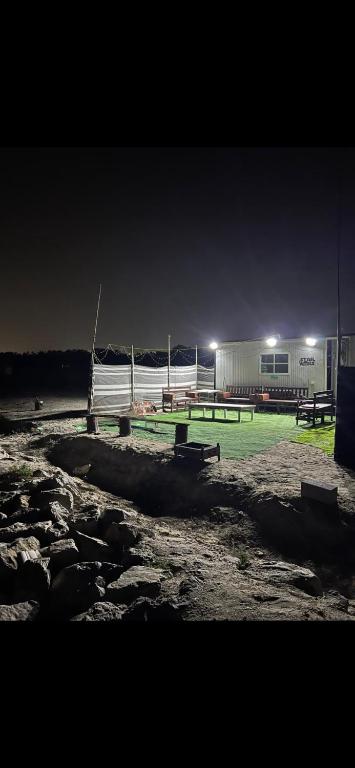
(169, 361)
(91, 382)
(181, 431)
(132, 373)
(92, 424)
(125, 426)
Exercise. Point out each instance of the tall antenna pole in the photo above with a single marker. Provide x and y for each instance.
(90, 398)
(132, 373)
(169, 337)
(196, 368)
(338, 275)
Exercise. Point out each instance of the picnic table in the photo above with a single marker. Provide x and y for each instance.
(221, 407)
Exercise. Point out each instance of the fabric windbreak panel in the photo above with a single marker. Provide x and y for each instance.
(149, 383)
(183, 377)
(205, 377)
(111, 388)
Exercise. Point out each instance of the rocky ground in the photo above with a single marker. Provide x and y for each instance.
(230, 542)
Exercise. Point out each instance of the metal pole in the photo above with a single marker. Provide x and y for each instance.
(196, 369)
(338, 277)
(169, 361)
(90, 397)
(132, 373)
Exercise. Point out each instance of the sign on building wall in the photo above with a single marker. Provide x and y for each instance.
(307, 361)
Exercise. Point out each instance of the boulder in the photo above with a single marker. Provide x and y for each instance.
(102, 612)
(91, 548)
(29, 554)
(145, 609)
(12, 532)
(111, 571)
(62, 496)
(18, 502)
(26, 611)
(8, 568)
(122, 534)
(3, 519)
(76, 588)
(136, 582)
(281, 574)
(32, 580)
(134, 556)
(57, 513)
(29, 544)
(111, 515)
(85, 522)
(49, 532)
(61, 554)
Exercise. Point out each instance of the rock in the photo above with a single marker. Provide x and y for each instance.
(62, 496)
(111, 515)
(334, 599)
(145, 609)
(122, 534)
(86, 522)
(102, 612)
(8, 568)
(29, 544)
(57, 513)
(81, 471)
(136, 582)
(76, 588)
(12, 532)
(32, 580)
(3, 519)
(40, 473)
(134, 556)
(62, 554)
(282, 574)
(91, 548)
(50, 483)
(17, 503)
(110, 571)
(30, 554)
(49, 532)
(26, 611)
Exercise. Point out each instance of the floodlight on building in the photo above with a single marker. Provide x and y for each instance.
(311, 341)
(271, 341)
(213, 345)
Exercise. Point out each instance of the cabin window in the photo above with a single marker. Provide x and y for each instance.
(274, 363)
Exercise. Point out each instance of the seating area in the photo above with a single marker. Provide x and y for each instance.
(322, 404)
(265, 397)
(177, 399)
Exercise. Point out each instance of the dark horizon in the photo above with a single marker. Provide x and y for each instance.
(202, 243)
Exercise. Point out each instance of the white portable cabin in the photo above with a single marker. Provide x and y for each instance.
(290, 363)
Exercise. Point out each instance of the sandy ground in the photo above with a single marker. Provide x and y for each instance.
(201, 557)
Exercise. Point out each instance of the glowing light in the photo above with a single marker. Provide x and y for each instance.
(213, 345)
(310, 341)
(271, 341)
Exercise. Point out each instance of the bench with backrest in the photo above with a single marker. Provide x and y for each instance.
(322, 404)
(265, 396)
(177, 398)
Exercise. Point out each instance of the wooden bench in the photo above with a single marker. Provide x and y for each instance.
(238, 407)
(322, 404)
(275, 398)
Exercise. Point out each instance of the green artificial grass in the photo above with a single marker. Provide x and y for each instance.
(320, 437)
(237, 440)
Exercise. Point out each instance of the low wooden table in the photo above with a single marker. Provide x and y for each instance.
(221, 407)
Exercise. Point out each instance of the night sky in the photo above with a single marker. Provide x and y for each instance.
(201, 243)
